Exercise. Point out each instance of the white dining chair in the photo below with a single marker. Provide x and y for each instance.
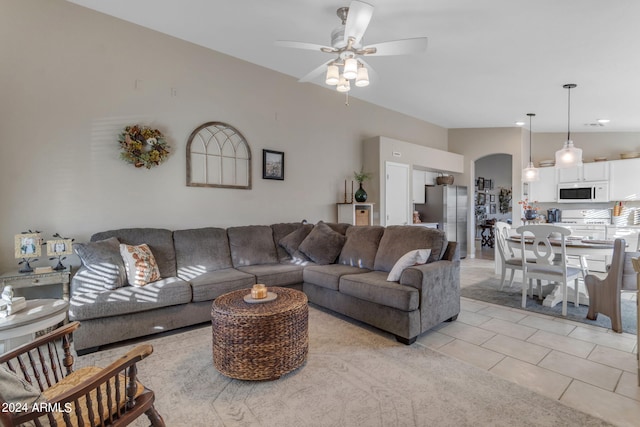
(550, 261)
(507, 256)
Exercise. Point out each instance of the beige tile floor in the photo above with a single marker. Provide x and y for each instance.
(588, 368)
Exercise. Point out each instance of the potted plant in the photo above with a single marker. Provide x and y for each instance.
(530, 211)
(361, 195)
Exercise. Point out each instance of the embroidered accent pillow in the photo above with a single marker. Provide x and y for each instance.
(140, 265)
(411, 258)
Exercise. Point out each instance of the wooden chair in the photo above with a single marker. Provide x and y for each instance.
(89, 396)
(507, 256)
(549, 265)
(605, 294)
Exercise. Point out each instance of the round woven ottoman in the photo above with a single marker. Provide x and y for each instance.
(260, 341)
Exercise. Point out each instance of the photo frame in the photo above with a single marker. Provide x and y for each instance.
(28, 245)
(492, 209)
(482, 199)
(492, 198)
(59, 247)
(480, 183)
(488, 184)
(272, 164)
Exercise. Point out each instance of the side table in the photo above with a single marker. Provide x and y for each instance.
(260, 341)
(19, 328)
(28, 280)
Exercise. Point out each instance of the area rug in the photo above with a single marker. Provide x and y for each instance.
(354, 376)
(488, 290)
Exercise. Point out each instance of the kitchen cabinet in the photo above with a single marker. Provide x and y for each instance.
(624, 180)
(544, 190)
(596, 171)
(420, 179)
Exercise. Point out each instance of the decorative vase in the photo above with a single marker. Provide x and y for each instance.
(531, 214)
(361, 195)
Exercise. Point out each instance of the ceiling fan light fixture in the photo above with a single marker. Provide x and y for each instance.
(350, 68)
(362, 79)
(343, 85)
(333, 75)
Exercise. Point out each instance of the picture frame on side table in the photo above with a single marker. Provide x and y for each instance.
(59, 247)
(28, 245)
(272, 164)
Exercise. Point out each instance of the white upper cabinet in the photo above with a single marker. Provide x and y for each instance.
(596, 171)
(624, 180)
(544, 190)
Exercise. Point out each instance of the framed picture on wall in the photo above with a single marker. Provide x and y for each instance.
(492, 198)
(480, 183)
(482, 199)
(492, 209)
(488, 184)
(272, 164)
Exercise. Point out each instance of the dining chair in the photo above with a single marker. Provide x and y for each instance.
(507, 256)
(550, 260)
(605, 294)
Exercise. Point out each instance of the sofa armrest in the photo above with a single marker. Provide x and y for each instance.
(452, 252)
(439, 286)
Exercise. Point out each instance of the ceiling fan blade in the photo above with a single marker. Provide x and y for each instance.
(357, 20)
(316, 72)
(303, 45)
(399, 47)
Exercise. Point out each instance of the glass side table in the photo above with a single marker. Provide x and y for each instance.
(29, 280)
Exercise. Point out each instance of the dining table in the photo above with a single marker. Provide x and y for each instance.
(577, 248)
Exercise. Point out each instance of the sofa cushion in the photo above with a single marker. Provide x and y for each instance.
(361, 246)
(322, 245)
(251, 245)
(212, 284)
(140, 265)
(104, 262)
(159, 240)
(411, 258)
(275, 274)
(129, 299)
(201, 250)
(292, 241)
(328, 276)
(339, 227)
(374, 287)
(397, 240)
(279, 231)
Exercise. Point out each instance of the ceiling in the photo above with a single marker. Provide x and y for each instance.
(488, 62)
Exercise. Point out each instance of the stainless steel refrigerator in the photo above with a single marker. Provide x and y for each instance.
(447, 205)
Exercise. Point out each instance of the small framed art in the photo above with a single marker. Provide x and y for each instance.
(492, 209)
(480, 183)
(272, 164)
(482, 199)
(28, 245)
(59, 247)
(492, 198)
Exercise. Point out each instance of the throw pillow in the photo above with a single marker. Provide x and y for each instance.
(322, 245)
(103, 260)
(14, 389)
(411, 258)
(140, 264)
(291, 242)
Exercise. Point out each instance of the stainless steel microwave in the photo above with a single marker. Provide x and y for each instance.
(581, 192)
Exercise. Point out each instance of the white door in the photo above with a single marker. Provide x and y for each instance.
(397, 194)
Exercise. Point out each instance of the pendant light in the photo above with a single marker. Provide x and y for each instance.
(569, 156)
(530, 173)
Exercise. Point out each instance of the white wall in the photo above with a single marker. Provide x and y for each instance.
(68, 87)
(593, 144)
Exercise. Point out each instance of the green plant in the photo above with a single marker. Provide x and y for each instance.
(361, 176)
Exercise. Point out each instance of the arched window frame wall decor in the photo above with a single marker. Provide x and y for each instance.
(219, 147)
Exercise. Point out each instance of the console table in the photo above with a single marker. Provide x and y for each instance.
(28, 280)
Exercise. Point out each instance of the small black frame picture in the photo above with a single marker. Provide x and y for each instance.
(492, 209)
(480, 183)
(492, 198)
(272, 164)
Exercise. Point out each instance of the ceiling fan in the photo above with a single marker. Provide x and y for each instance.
(347, 44)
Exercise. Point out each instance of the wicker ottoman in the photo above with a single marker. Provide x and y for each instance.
(260, 341)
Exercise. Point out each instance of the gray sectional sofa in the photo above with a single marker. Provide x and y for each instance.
(340, 267)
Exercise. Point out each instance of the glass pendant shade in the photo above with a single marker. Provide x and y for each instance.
(343, 85)
(362, 79)
(530, 173)
(350, 69)
(569, 156)
(333, 75)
